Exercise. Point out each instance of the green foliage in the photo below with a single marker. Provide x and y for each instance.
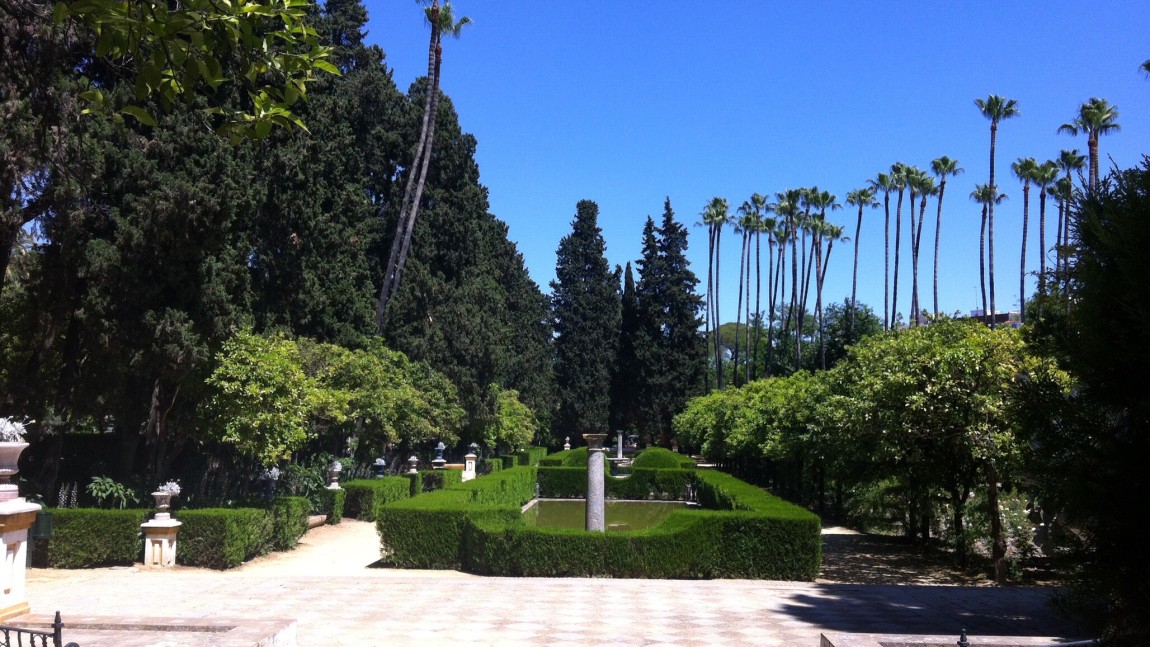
(427, 531)
(585, 311)
(366, 496)
(530, 456)
(332, 504)
(439, 479)
(562, 482)
(106, 492)
(662, 458)
(223, 538)
(176, 52)
(260, 396)
(289, 521)
(87, 538)
(513, 424)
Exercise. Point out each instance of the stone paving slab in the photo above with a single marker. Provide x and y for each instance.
(330, 589)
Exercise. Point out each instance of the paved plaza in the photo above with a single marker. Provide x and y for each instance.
(329, 592)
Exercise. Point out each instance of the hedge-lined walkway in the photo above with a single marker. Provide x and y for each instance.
(328, 586)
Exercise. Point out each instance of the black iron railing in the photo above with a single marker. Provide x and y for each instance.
(20, 637)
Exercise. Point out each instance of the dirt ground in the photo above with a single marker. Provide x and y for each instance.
(852, 557)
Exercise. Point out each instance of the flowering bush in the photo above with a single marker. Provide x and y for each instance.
(171, 487)
(12, 431)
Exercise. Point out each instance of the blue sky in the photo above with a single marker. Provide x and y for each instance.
(626, 103)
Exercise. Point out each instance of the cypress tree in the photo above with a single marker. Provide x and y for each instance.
(625, 382)
(585, 313)
(670, 347)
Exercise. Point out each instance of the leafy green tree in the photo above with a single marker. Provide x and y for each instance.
(932, 408)
(260, 398)
(585, 311)
(513, 425)
(1092, 442)
(179, 52)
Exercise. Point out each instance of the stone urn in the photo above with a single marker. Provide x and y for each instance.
(9, 467)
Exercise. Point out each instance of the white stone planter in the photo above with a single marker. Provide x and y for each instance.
(9, 468)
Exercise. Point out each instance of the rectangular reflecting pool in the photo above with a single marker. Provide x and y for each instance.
(621, 515)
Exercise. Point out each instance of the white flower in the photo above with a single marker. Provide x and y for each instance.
(12, 431)
(171, 487)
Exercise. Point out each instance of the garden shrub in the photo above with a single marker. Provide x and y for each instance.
(571, 483)
(224, 537)
(531, 456)
(90, 537)
(332, 503)
(662, 458)
(508, 461)
(289, 521)
(489, 465)
(439, 479)
(415, 483)
(365, 496)
(750, 534)
(427, 532)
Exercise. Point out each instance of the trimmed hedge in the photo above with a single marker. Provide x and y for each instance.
(427, 532)
(289, 521)
(90, 537)
(531, 456)
(489, 465)
(331, 504)
(439, 479)
(662, 458)
(224, 537)
(365, 496)
(751, 534)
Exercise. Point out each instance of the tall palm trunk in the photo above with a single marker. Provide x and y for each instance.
(855, 273)
(897, 250)
(1022, 264)
(886, 264)
(990, 221)
(758, 295)
(1042, 238)
(747, 317)
(937, 233)
(412, 193)
(739, 311)
(917, 248)
(1092, 144)
(718, 322)
(709, 319)
(982, 261)
(793, 314)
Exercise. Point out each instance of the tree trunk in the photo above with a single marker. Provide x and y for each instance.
(937, 231)
(855, 277)
(1042, 240)
(990, 221)
(998, 542)
(1022, 267)
(897, 250)
(982, 263)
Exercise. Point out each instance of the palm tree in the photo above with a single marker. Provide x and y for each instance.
(861, 198)
(922, 184)
(898, 178)
(441, 20)
(714, 216)
(994, 108)
(943, 167)
(985, 195)
(1044, 177)
(1069, 161)
(884, 183)
(1025, 168)
(1063, 193)
(762, 225)
(1095, 118)
(745, 226)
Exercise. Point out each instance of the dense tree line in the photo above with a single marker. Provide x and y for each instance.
(144, 252)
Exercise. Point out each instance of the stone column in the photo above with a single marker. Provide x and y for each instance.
(16, 517)
(160, 536)
(469, 470)
(619, 447)
(596, 505)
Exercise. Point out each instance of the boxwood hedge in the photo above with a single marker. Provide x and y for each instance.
(89, 537)
(478, 527)
(365, 496)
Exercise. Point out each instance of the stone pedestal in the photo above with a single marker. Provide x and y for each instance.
(596, 504)
(469, 471)
(16, 517)
(160, 541)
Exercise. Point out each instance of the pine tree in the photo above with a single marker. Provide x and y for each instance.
(670, 349)
(585, 313)
(625, 382)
